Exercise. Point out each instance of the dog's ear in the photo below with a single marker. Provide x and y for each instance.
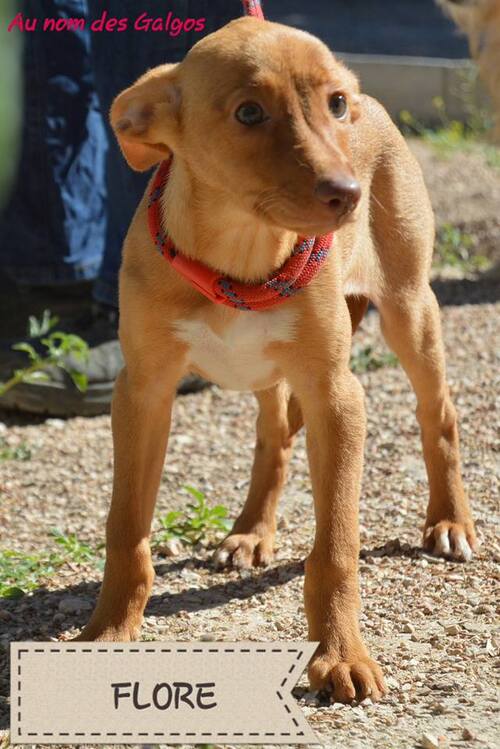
(145, 118)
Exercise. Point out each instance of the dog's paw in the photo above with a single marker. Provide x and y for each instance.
(94, 632)
(347, 680)
(451, 540)
(245, 550)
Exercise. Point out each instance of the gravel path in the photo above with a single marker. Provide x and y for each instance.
(432, 624)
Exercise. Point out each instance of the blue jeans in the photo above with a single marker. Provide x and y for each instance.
(74, 196)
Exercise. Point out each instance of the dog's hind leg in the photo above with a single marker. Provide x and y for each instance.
(411, 326)
(403, 232)
(251, 540)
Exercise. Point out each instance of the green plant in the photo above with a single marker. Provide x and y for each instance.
(63, 350)
(452, 136)
(455, 248)
(197, 522)
(21, 573)
(19, 452)
(367, 360)
(74, 549)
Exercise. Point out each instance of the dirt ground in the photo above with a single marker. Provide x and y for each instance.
(433, 625)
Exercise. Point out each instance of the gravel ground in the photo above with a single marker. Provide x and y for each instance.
(433, 625)
(430, 623)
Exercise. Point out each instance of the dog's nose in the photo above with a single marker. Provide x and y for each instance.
(341, 193)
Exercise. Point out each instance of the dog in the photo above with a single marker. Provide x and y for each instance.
(264, 142)
(480, 20)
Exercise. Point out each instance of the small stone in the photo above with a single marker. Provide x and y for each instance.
(311, 698)
(452, 629)
(408, 629)
(392, 683)
(171, 548)
(73, 605)
(56, 423)
(468, 735)
(484, 609)
(430, 741)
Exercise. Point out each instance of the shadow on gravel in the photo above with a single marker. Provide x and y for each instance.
(32, 617)
(457, 292)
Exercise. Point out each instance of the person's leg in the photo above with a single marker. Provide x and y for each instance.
(52, 228)
(119, 59)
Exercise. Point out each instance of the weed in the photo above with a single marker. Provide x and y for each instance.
(198, 522)
(367, 360)
(19, 452)
(63, 350)
(455, 248)
(452, 136)
(74, 549)
(21, 573)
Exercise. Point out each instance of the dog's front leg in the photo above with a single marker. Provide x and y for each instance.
(335, 426)
(333, 409)
(141, 420)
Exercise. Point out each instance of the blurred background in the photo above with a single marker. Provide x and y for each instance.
(10, 100)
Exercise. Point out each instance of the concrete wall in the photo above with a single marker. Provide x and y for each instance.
(412, 83)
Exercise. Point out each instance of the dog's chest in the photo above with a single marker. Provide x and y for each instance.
(233, 354)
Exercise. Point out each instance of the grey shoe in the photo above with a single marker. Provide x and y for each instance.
(58, 396)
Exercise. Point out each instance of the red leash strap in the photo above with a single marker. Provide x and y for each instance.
(302, 266)
(253, 8)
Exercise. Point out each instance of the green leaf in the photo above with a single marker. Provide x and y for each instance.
(11, 591)
(27, 348)
(38, 375)
(80, 379)
(195, 493)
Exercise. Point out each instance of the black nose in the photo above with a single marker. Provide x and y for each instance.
(342, 194)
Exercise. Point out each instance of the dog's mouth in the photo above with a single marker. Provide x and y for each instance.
(332, 203)
(312, 222)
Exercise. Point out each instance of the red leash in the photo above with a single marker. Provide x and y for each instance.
(301, 267)
(253, 8)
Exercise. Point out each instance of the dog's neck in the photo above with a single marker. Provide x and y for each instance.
(205, 225)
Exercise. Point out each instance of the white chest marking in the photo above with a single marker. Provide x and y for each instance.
(356, 288)
(236, 359)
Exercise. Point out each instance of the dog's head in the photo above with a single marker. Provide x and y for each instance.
(258, 111)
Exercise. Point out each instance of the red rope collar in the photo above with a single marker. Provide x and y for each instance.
(301, 267)
(298, 271)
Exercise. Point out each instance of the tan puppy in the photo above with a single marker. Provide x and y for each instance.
(239, 195)
(480, 20)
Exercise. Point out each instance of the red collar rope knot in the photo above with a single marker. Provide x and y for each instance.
(298, 271)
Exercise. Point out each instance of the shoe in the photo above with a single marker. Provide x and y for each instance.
(58, 396)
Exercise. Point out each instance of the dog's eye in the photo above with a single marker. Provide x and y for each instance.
(250, 113)
(338, 106)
